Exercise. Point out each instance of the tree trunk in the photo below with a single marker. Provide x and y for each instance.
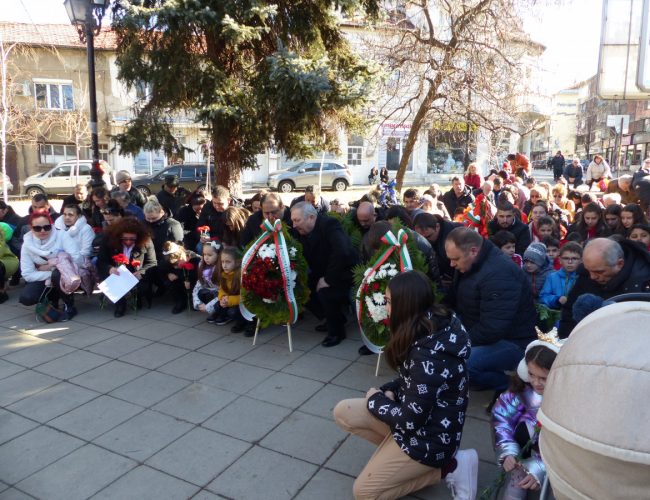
(227, 164)
(413, 134)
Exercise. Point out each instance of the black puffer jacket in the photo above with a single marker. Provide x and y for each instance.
(165, 229)
(494, 299)
(427, 418)
(633, 278)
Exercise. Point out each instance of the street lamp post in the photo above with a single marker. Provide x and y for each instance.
(86, 16)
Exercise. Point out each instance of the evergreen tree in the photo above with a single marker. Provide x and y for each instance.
(255, 73)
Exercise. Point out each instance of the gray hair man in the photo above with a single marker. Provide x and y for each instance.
(609, 268)
(330, 257)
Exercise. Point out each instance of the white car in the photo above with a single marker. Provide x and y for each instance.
(61, 179)
(334, 175)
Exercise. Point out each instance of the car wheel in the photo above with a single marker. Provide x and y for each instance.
(144, 190)
(340, 185)
(33, 191)
(285, 187)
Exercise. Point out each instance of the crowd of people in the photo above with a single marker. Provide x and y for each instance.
(524, 261)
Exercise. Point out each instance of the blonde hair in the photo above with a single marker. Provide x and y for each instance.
(152, 206)
(560, 189)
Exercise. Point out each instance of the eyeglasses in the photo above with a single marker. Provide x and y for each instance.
(127, 239)
(46, 228)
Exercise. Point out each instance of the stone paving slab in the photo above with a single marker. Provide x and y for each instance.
(157, 405)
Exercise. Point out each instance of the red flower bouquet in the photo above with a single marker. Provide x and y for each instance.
(120, 259)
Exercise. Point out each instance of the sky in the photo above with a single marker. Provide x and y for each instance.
(570, 30)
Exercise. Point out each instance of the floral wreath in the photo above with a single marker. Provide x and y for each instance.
(397, 253)
(274, 277)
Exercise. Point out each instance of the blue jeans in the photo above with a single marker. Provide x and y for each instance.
(487, 364)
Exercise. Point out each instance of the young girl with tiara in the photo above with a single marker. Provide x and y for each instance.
(180, 270)
(204, 294)
(514, 418)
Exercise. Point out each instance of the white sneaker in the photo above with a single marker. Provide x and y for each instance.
(462, 482)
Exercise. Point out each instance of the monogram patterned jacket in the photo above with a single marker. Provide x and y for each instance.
(427, 417)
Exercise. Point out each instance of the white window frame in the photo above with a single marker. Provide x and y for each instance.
(49, 83)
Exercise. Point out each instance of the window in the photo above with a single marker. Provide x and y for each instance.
(55, 153)
(188, 173)
(170, 171)
(143, 90)
(62, 171)
(53, 95)
(355, 150)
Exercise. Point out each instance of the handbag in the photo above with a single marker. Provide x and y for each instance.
(45, 310)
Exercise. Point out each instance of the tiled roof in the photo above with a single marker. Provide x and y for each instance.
(57, 35)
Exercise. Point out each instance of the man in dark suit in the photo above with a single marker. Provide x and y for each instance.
(330, 257)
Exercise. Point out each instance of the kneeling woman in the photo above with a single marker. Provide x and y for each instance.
(131, 238)
(417, 419)
(41, 245)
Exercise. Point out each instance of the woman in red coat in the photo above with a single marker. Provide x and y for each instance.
(473, 178)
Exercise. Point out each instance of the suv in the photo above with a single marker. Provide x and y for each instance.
(190, 176)
(335, 175)
(61, 179)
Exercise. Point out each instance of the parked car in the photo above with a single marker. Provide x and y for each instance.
(5, 180)
(61, 179)
(336, 176)
(190, 176)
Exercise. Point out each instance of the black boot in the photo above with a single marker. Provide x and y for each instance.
(120, 308)
(179, 307)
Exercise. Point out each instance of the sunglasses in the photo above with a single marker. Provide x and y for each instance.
(38, 229)
(128, 239)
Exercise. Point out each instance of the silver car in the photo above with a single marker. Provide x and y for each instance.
(62, 179)
(336, 176)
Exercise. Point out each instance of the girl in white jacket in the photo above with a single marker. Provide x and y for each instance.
(77, 234)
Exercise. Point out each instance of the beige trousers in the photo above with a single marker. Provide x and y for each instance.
(390, 473)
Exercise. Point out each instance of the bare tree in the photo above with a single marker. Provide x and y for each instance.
(452, 62)
(5, 110)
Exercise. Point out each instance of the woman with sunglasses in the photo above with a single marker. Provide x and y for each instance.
(38, 254)
(131, 238)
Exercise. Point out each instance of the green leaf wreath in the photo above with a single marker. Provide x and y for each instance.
(371, 295)
(262, 290)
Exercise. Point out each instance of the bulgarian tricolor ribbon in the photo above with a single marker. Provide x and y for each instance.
(395, 243)
(273, 230)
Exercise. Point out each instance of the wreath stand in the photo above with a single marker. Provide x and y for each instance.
(378, 363)
(257, 329)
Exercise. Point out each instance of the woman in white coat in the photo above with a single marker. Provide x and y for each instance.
(41, 245)
(77, 234)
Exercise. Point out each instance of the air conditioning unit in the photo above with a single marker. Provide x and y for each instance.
(22, 89)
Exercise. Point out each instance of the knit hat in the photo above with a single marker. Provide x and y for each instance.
(536, 253)
(123, 175)
(549, 340)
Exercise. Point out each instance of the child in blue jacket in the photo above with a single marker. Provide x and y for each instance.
(558, 284)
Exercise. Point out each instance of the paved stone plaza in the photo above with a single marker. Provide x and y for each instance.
(168, 406)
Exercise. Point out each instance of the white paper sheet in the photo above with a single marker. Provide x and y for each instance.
(117, 286)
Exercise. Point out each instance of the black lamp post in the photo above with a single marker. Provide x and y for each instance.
(86, 16)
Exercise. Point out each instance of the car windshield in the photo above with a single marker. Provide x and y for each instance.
(297, 167)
